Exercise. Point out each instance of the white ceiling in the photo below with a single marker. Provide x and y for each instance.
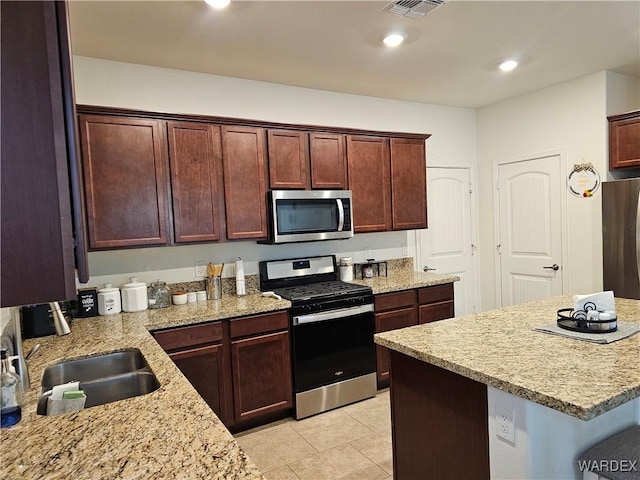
(449, 58)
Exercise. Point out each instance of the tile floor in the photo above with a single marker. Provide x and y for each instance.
(352, 442)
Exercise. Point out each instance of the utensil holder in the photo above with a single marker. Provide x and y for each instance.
(214, 288)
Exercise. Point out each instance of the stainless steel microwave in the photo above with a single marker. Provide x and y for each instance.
(309, 215)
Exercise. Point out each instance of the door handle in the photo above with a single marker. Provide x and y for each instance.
(555, 267)
(427, 269)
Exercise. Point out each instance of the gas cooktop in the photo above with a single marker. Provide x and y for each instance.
(320, 290)
(308, 279)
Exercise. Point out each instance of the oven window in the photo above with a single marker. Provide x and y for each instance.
(332, 351)
(306, 216)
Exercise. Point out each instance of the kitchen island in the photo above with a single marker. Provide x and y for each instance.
(565, 395)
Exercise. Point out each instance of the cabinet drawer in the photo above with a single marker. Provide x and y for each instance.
(388, 301)
(403, 317)
(193, 335)
(437, 293)
(436, 311)
(258, 324)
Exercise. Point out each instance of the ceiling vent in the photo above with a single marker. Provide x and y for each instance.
(413, 8)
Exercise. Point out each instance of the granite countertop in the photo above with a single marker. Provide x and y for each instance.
(166, 433)
(405, 280)
(500, 348)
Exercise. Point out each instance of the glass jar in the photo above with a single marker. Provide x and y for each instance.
(159, 295)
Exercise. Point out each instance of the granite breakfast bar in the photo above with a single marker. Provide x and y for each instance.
(448, 377)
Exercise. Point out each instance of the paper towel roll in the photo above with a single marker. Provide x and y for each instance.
(240, 285)
(602, 301)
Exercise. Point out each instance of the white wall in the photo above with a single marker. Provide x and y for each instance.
(107, 83)
(548, 443)
(571, 118)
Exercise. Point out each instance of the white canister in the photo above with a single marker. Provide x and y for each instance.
(346, 269)
(109, 300)
(134, 296)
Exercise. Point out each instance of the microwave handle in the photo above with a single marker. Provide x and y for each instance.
(340, 214)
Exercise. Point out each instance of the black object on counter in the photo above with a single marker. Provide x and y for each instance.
(577, 321)
(87, 303)
(37, 321)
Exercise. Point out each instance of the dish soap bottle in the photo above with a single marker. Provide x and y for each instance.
(11, 397)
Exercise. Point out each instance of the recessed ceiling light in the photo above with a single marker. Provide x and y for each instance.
(508, 65)
(219, 4)
(393, 40)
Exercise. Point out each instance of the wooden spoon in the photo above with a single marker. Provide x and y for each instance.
(211, 270)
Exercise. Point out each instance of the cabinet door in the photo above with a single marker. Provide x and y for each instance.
(436, 311)
(391, 320)
(408, 184)
(624, 141)
(204, 368)
(288, 159)
(125, 181)
(261, 367)
(195, 156)
(369, 171)
(243, 160)
(328, 161)
(37, 238)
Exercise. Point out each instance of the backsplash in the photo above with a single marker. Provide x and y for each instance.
(175, 265)
(252, 282)
(252, 285)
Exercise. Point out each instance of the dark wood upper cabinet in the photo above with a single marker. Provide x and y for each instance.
(124, 162)
(328, 161)
(369, 180)
(408, 184)
(288, 159)
(38, 156)
(197, 191)
(244, 165)
(624, 140)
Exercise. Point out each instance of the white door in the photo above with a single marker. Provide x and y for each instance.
(446, 246)
(529, 231)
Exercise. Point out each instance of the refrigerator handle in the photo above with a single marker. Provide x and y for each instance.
(638, 235)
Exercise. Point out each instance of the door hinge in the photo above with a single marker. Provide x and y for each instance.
(498, 247)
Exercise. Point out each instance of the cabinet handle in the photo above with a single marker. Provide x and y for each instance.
(427, 269)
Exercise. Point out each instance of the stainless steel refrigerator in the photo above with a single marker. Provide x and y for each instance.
(621, 237)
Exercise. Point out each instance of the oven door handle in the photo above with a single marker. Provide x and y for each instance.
(332, 314)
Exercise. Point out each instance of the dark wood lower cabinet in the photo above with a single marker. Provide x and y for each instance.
(392, 320)
(240, 367)
(439, 422)
(199, 352)
(204, 367)
(261, 369)
(405, 309)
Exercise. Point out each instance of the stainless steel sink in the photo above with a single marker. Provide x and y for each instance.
(94, 367)
(104, 378)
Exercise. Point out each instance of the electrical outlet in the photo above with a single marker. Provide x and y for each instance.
(201, 269)
(505, 427)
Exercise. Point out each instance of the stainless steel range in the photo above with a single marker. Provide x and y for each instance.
(332, 327)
